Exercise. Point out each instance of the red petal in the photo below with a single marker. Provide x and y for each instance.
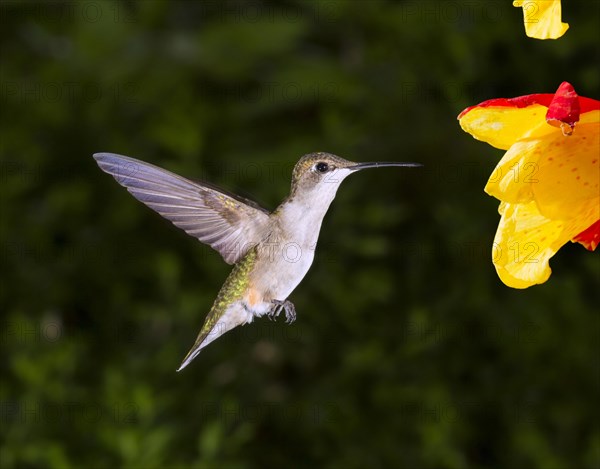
(519, 102)
(588, 104)
(545, 99)
(564, 109)
(590, 237)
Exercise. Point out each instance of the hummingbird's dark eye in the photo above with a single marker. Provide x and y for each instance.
(322, 167)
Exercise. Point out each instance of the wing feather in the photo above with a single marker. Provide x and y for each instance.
(227, 223)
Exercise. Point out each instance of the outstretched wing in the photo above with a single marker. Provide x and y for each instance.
(227, 223)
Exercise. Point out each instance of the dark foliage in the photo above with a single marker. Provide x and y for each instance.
(408, 351)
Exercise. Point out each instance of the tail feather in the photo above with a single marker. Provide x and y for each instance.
(215, 326)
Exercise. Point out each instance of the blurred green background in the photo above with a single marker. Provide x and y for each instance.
(408, 351)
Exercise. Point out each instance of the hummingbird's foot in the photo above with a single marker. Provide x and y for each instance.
(287, 306)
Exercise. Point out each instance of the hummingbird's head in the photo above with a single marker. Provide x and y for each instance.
(318, 171)
(324, 172)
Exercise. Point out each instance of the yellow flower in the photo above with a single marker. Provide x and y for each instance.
(542, 18)
(547, 181)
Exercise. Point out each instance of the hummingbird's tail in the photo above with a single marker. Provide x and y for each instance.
(228, 310)
(217, 323)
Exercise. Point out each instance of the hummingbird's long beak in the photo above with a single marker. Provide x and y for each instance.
(382, 164)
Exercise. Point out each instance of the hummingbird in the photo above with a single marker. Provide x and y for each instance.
(271, 251)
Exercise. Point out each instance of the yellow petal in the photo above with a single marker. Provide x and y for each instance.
(568, 172)
(526, 240)
(511, 181)
(502, 126)
(542, 18)
(555, 170)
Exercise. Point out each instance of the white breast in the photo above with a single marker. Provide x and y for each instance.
(297, 225)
